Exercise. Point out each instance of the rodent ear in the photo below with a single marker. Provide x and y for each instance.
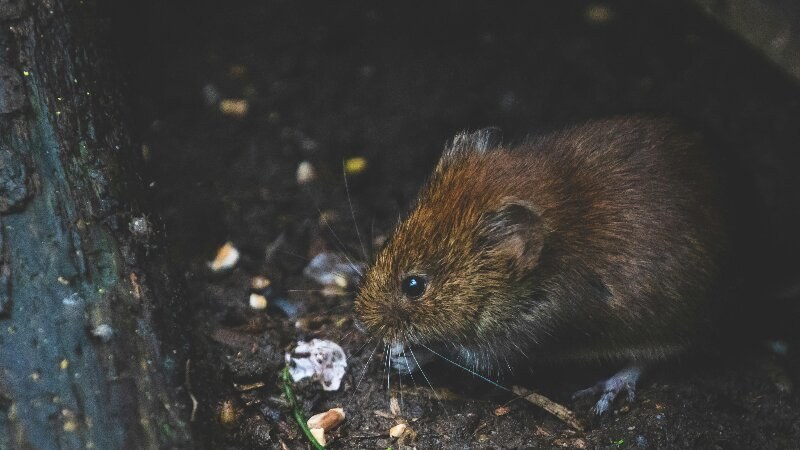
(514, 231)
(480, 141)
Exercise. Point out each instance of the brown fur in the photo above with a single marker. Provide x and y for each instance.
(600, 241)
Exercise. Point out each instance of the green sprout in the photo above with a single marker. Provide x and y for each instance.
(298, 415)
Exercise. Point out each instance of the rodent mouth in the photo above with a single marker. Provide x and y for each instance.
(407, 359)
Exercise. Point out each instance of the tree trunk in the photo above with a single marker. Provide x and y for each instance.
(80, 363)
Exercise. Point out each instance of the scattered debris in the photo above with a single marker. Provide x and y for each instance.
(402, 432)
(188, 384)
(140, 227)
(502, 411)
(211, 94)
(319, 435)
(258, 301)
(147, 154)
(332, 269)
(227, 413)
(305, 173)
(298, 416)
(72, 300)
(235, 107)
(237, 71)
(354, 166)
(598, 14)
(227, 256)
(394, 406)
(560, 411)
(320, 359)
(383, 414)
(103, 331)
(258, 283)
(249, 387)
(328, 420)
(137, 287)
(398, 430)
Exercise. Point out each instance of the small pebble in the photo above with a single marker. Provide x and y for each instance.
(104, 332)
(227, 256)
(354, 166)
(305, 173)
(235, 107)
(70, 426)
(258, 283)
(227, 413)
(258, 301)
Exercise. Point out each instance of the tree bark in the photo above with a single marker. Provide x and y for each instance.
(80, 363)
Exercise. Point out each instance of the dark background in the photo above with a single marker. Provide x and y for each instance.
(392, 82)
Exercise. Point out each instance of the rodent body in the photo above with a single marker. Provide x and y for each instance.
(599, 242)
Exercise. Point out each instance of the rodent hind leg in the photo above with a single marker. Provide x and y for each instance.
(608, 390)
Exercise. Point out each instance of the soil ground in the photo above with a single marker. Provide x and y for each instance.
(391, 82)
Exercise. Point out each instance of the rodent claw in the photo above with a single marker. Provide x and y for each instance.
(624, 380)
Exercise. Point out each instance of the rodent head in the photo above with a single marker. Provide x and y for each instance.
(454, 269)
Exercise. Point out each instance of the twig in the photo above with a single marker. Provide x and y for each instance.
(189, 390)
(560, 411)
(298, 415)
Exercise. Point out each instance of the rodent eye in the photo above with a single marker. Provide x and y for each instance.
(413, 285)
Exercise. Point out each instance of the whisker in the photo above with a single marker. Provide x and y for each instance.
(362, 347)
(493, 383)
(342, 247)
(352, 212)
(409, 367)
(363, 372)
(388, 372)
(400, 381)
(286, 252)
(424, 375)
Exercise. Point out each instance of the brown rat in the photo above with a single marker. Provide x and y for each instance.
(600, 242)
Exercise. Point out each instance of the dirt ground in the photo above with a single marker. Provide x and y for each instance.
(391, 82)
